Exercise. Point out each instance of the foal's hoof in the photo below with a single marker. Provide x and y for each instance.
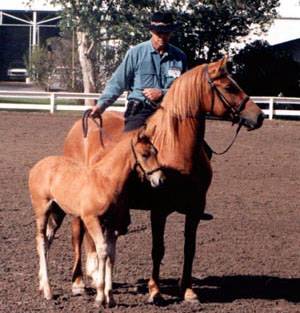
(156, 299)
(190, 296)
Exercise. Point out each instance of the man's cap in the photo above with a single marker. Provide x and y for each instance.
(162, 22)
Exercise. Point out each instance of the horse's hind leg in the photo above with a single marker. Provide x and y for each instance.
(158, 222)
(77, 237)
(111, 239)
(56, 217)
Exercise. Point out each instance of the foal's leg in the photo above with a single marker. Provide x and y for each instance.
(94, 228)
(158, 223)
(91, 258)
(42, 249)
(77, 237)
(111, 239)
(190, 232)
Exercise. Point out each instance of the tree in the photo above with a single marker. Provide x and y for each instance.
(262, 69)
(96, 23)
(210, 27)
(207, 27)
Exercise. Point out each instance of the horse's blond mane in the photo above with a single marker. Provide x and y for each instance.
(180, 103)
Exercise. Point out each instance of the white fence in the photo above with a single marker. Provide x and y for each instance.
(271, 104)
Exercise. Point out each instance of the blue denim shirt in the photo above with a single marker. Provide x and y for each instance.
(143, 67)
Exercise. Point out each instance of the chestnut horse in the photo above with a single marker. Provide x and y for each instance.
(177, 130)
(89, 192)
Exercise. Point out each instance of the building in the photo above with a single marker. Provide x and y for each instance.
(22, 27)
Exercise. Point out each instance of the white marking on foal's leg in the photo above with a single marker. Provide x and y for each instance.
(43, 273)
(100, 282)
(92, 267)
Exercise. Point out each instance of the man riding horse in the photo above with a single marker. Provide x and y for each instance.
(147, 72)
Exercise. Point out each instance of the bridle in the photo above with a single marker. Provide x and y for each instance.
(138, 164)
(232, 111)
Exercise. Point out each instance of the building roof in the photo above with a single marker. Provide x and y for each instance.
(20, 5)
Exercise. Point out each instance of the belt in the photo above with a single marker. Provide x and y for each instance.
(136, 106)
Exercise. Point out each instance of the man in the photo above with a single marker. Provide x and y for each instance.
(146, 72)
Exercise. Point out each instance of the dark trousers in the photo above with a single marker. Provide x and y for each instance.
(137, 113)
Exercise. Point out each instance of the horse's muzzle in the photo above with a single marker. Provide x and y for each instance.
(252, 123)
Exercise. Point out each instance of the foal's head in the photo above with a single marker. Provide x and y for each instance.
(146, 163)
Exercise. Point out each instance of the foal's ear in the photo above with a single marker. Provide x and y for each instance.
(142, 136)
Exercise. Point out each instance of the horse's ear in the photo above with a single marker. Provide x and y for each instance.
(223, 65)
(219, 68)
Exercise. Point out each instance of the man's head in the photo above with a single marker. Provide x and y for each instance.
(161, 27)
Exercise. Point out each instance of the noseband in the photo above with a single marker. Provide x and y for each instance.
(233, 111)
(138, 164)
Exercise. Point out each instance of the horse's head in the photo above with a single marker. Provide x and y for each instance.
(146, 163)
(228, 100)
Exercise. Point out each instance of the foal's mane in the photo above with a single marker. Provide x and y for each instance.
(181, 103)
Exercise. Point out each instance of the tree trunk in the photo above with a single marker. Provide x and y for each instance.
(84, 47)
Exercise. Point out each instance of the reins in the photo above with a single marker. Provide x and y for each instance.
(231, 144)
(99, 123)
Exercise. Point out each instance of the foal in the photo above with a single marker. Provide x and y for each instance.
(88, 192)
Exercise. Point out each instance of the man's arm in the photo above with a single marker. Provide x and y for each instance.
(120, 81)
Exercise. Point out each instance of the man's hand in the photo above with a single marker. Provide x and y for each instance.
(153, 94)
(96, 109)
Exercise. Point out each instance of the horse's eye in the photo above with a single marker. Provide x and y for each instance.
(232, 89)
(145, 155)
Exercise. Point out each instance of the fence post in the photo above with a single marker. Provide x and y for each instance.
(271, 108)
(52, 103)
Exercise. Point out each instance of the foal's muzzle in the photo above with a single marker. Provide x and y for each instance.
(156, 178)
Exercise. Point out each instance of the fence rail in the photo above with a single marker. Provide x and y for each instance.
(270, 105)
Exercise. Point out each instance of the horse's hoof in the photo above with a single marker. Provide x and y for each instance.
(190, 296)
(78, 288)
(156, 299)
(111, 303)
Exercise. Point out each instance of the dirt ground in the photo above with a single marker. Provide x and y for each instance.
(248, 256)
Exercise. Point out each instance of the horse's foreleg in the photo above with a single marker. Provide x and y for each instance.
(91, 258)
(42, 249)
(158, 223)
(77, 237)
(190, 232)
(93, 226)
(111, 239)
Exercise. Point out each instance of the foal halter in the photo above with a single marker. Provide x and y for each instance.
(233, 111)
(138, 164)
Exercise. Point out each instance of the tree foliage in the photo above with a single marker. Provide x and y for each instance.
(262, 69)
(207, 28)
